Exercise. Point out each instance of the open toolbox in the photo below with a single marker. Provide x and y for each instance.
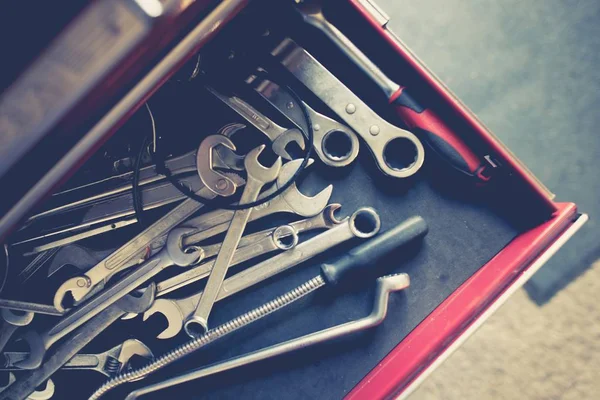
(258, 66)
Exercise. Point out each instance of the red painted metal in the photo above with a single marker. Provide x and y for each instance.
(451, 318)
(458, 107)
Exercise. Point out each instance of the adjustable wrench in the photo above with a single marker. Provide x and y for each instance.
(81, 286)
(397, 152)
(290, 201)
(172, 254)
(109, 363)
(257, 177)
(279, 136)
(178, 311)
(335, 143)
(13, 320)
(67, 349)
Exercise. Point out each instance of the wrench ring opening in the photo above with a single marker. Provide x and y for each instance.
(365, 222)
(285, 237)
(195, 327)
(337, 145)
(403, 154)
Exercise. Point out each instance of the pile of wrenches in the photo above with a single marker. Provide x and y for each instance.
(136, 279)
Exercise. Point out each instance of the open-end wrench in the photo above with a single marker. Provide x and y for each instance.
(67, 349)
(109, 363)
(257, 177)
(136, 248)
(279, 136)
(44, 394)
(178, 311)
(290, 201)
(12, 320)
(397, 152)
(172, 254)
(335, 143)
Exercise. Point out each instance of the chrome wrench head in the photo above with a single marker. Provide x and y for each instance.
(212, 179)
(17, 318)
(173, 313)
(280, 144)
(224, 157)
(258, 172)
(123, 353)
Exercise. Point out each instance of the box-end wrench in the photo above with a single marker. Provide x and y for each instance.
(178, 311)
(67, 349)
(279, 136)
(335, 143)
(290, 201)
(172, 255)
(425, 122)
(81, 286)
(397, 152)
(362, 259)
(385, 285)
(12, 320)
(257, 176)
(108, 363)
(43, 394)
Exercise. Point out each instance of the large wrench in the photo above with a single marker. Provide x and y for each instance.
(257, 177)
(398, 152)
(172, 254)
(67, 349)
(279, 136)
(290, 201)
(335, 143)
(108, 363)
(178, 311)
(81, 286)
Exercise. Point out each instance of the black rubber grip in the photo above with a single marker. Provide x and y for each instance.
(367, 254)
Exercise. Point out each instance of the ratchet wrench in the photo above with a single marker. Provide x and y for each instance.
(397, 152)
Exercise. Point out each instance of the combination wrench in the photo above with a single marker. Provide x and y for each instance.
(279, 136)
(397, 152)
(135, 249)
(335, 143)
(257, 177)
(67, 349)
(171, 255)
(178, 311)
(108, 363)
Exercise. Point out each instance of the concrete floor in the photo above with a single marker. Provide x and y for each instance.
(530, 71)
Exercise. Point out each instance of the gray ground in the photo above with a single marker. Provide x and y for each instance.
(530, 70)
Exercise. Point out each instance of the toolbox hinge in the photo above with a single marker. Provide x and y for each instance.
(376, 11)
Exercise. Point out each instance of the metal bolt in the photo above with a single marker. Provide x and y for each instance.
(350, 108)
(374, 130)
(316, 127)
(81, 282)
(221, 184)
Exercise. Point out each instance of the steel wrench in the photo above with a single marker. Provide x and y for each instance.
(335, 143)
(67, 349)
(109, 363)
(178, 311)
(279, 136)
(290, 201)
(26, 306)
(13, 320)
(45, 394)
(398, 152)
(172, 254)
(257, 177)
(80, 286)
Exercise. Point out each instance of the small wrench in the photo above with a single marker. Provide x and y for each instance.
(257, 177)
(279, 136)
(13, 320)
(136, 248)
(172, 254)
(178, 311)
(109, 363)
(44, 394)
(67, 349)
(335, 143)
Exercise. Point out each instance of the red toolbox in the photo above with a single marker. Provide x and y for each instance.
(487, 235)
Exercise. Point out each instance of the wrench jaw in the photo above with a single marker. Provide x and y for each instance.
(280, 144)
(256, 170)
(299, 203)
(171, 311)
(79, 287)
(215, 181)
(130, 348)
(37, 351)
(328, 215)
(18, 318)
(177, 254)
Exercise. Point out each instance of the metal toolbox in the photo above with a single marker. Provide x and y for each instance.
(487, 235)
